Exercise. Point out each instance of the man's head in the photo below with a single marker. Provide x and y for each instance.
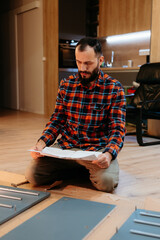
(89, 59)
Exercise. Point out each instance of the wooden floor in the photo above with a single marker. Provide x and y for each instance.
(139, 166)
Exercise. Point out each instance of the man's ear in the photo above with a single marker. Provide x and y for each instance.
(101, 60)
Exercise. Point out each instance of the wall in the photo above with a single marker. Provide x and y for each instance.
(11, 5)
(153, 125)
(22, 46)
(121, 17)
(29, 63)
(72, 19)
(125, 16)
(125, 51)
(155, 32)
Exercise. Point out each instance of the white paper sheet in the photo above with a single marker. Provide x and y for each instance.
(69, 154)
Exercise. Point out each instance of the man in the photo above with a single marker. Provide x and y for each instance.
(90, 115)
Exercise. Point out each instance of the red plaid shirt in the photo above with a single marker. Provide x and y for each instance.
(89, 118)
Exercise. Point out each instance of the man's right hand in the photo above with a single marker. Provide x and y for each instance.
(38, 147)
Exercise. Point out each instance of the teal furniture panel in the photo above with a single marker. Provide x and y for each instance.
(13, 201)
(66, 219)
(141, 225)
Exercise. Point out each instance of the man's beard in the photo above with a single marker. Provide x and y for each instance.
(93, 76)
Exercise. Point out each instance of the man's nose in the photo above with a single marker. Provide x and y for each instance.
(83, 67)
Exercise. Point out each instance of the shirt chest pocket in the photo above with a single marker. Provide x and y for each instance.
(98, 114)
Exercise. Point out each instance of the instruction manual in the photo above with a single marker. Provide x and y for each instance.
(68, 154)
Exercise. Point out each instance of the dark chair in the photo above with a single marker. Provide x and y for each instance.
(145, 102)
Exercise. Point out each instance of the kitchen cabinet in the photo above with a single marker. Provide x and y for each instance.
(118, 17)
(124, 16)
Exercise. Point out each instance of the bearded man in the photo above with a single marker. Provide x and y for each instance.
(89, 115)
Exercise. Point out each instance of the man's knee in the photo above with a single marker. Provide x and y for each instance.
(37, 179)
(106, 183)
(33, 175)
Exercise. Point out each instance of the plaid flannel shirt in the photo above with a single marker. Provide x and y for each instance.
(89, 118)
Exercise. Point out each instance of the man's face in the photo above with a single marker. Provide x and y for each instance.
(88, 64)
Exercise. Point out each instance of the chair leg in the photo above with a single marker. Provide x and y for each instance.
(139, 133)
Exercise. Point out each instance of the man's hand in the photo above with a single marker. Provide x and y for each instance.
(103, 160)
(38, 147)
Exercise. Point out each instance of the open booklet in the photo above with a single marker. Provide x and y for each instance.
(69, 154)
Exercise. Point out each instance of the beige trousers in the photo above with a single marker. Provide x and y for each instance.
(46, 170)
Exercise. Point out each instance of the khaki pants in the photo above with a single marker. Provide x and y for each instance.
(46, 170)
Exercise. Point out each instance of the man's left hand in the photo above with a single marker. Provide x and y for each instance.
(103, 160)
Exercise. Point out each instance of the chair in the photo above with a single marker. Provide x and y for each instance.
(145, 102)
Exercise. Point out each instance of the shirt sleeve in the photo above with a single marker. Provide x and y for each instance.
(57, 120)
(116, 122)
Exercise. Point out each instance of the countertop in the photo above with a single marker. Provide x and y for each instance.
(113, 69)
(121, 69)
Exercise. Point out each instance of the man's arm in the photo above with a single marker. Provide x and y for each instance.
(53, 127)
(57, 120)
(116, 123)
(116, 130)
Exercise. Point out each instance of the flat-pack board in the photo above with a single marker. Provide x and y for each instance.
(13, 201)
(141, 225)
(66, 219)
